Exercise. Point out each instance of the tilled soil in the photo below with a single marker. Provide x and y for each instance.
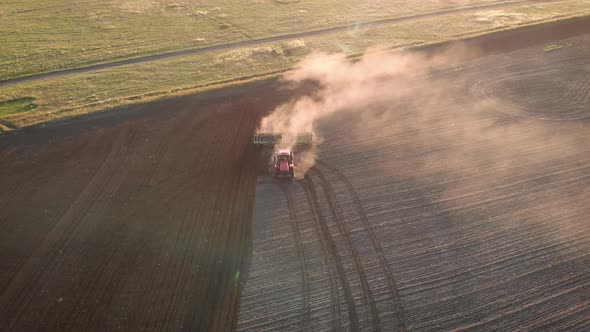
(468, 213)
(134, 221)
(429, 217)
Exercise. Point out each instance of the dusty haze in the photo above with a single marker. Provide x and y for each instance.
(344, 85)
(393, 97)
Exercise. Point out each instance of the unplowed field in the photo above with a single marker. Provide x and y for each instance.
(418, 215)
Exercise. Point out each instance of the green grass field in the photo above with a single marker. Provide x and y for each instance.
(47, 35)
(34, 48)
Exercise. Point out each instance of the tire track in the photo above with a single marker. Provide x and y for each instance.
(301, 256)
(254, 42)
(312, 198)
(368, 299)
(336, 324)
(398, 310)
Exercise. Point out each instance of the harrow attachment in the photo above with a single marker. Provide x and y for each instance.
(275, 138)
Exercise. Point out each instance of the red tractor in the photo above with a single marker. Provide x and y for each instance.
(283, 164)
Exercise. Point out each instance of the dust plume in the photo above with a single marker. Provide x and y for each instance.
(446, 123)
(344, 84)
(304, 161)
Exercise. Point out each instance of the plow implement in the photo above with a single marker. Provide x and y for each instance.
(276, 138)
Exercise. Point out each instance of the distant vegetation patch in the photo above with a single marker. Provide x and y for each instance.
(17, 106)
(552, 47)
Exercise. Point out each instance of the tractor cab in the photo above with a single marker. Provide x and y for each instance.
(283, 163)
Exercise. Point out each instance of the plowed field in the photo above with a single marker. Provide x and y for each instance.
(434, 216)
(438, 216)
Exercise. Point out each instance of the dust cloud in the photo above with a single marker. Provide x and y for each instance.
(344, 84)
(304, 161)
(435, 118)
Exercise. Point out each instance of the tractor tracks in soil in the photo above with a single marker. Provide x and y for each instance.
(329, 246)
(398, 310)
(306, 308)
(331, 255)
(335, 268)
(333, 277)
(367, 295)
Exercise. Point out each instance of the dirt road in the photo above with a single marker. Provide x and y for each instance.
(155, 217)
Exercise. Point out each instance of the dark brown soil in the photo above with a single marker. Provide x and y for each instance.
(136, 220)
